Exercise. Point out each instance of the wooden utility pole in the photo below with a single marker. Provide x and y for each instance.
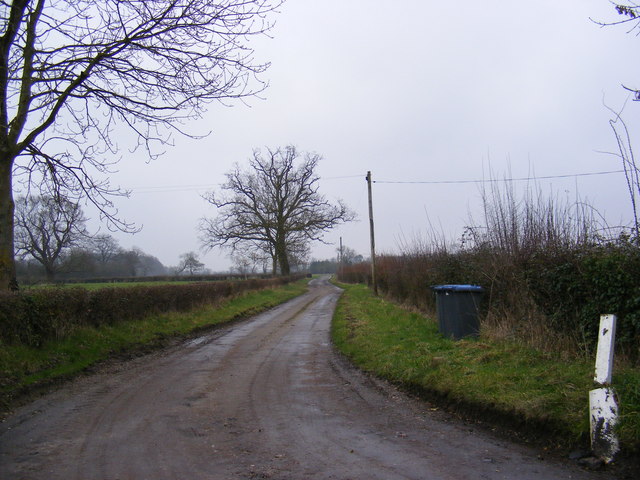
(374, 282)
(340, 259)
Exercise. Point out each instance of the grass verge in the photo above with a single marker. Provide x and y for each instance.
(24, 370)
(498, 382)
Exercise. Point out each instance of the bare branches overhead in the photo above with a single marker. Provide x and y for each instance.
(82, 67)
(76, 74)
(629, 15)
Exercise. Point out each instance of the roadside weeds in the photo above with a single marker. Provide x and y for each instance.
(535, 396)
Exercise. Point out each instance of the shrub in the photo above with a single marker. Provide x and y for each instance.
(547, 272)
(39, 315)
(574, 290)
(553, 300)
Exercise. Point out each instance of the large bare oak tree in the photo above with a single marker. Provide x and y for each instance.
(76, 74)
(274, 206)
(46, 228)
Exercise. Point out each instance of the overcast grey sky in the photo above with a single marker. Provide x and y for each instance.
(411, 90)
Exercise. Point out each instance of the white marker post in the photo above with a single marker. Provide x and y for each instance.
(602, 403)
(604, 354)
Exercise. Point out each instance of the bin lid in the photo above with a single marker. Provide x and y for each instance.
(457, 288)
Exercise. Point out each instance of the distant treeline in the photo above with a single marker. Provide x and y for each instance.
(323, 266)
(346, 256)
(82, 263)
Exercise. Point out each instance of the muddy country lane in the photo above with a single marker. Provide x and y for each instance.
(266, 398)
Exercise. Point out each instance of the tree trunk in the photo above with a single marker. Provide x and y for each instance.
(283, 259)
(7, 256)
(50, 273)
(285, 268)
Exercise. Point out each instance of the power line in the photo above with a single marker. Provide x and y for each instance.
(184, 188)
(171, 188)
(494, 180)
(344, 176)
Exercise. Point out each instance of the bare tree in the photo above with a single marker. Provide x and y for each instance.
(298, 252)
(243, 264)
(46, 228)
(273, 206)
(75, 73)
(131, 261)
(252, 258)
(78, 262)
(348, 256)
(189, 262)
(105, 248)
(630, 16)
(631, 169)
(262, 253)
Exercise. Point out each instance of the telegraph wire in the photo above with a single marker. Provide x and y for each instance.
(337, 178)
(496, 180)
(171, 188)
(185, 188)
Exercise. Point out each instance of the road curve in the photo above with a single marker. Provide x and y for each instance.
(264, 399)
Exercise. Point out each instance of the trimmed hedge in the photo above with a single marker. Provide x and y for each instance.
(568, 288)
(575, 289)
(31, 318)
(165, 278)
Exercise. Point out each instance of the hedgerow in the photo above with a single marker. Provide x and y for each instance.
(547, 271)
(36, 316)
(554, 293)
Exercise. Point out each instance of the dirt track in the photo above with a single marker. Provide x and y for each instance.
(266, 398)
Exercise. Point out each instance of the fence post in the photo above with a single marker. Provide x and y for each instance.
(602, 402)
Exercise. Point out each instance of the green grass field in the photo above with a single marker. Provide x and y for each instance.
(488, 378)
